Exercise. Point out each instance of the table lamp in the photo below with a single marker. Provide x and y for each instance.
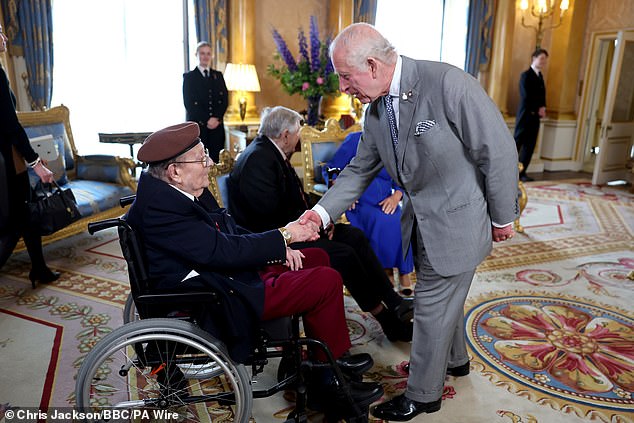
(241, 78)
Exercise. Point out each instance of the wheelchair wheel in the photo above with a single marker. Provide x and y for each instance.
(164, 370)
(130, 313)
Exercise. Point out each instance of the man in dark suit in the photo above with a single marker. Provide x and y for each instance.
(532, 107)
(206, 99)
(438, 134)
(192, 243)
(264, 190)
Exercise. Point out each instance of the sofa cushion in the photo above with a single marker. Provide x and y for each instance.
(101, 168)
(60, 165)
(94, 197)
(56, 130)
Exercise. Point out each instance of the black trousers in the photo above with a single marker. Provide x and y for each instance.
(214, 140)
(18, 194)
(525, 141)
(363, 274)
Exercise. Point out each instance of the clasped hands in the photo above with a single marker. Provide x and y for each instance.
(300, 232)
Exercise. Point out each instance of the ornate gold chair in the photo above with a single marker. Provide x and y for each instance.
(522, 200)
(318, 147)
(97, 181)
(218, 174)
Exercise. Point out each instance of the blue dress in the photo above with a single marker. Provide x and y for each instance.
(383, 230)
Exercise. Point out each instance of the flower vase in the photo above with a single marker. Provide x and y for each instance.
(314, 106)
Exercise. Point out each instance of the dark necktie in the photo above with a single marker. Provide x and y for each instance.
(206, 73)
(391, 117)
(298, 182)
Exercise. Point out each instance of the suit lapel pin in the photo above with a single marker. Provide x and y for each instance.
(406, 96)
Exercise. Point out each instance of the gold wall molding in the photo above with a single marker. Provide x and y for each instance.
(340, 16)
(242, 50)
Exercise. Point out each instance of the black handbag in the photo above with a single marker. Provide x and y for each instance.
(52, 210)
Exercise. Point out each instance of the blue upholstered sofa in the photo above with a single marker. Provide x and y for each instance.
(97, 181)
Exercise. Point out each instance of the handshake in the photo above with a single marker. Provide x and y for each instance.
(306, 228)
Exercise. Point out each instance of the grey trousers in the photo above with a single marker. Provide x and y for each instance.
(439, 334)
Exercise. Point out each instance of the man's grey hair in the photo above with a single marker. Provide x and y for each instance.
(274, 120)
(159, 169)
(361, 41)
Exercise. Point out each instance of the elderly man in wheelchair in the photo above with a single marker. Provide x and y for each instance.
(220, 286)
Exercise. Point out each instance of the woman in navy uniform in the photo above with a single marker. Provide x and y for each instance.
(206, 99)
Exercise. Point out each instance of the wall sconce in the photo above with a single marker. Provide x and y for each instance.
(241, 78)
(541, 10)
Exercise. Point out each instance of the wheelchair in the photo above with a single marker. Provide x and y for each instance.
(161, 365)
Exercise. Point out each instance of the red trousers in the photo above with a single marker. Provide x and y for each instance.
(315, 293)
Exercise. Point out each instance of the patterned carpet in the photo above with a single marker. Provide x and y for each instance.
(549, 318)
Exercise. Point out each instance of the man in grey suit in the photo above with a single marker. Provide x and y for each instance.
(456, 160)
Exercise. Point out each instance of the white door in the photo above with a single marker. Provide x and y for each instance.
(617, 126)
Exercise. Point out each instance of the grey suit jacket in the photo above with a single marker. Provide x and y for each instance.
(458, 173)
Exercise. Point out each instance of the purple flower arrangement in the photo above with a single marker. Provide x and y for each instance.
(312, 75)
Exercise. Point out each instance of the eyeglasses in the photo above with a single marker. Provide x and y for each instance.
(205, 161)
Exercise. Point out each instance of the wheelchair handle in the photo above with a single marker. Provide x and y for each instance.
(128, 199)
(102, 224)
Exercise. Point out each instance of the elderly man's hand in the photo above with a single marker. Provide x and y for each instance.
(308, 231)
(502, 234)
(310, 216)
(294, 259)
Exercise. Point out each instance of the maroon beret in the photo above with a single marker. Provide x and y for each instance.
(169, 142)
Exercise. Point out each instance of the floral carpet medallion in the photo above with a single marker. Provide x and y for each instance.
(571, 353)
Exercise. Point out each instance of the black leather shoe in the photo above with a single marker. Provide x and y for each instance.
(355, 364)
(45, 275)
(526, 178)
(331, 395)
(394, 328)
(459, 370)
(405, 310)
(402, 409)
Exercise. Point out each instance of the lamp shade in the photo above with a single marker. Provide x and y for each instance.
(240, 77)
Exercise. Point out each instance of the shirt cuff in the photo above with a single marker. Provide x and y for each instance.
(497, 225)
(323, 214)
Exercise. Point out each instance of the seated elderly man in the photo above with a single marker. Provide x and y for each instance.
(191, 243)
(265, 191)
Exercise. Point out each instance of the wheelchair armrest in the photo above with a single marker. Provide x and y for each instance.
(129, 199)
(178, 297)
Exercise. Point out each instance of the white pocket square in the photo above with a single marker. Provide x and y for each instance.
(424, 126)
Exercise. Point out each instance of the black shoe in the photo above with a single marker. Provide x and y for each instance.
(355, 364)
(405, 310)
(402, 409)
(459, 370)
(526, 178)
(45, 275)
(394, 328)
(331, 395)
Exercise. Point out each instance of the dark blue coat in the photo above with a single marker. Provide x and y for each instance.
(180, 236)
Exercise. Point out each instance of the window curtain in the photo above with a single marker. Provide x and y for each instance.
(479, 35)
(30, 31)
(365, 11)
(211, 26)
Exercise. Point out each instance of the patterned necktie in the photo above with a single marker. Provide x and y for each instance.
(391, 117)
